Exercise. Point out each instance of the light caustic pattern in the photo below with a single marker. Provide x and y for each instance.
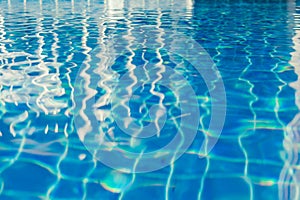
(289, 187)
(106, 118)
(77, 74)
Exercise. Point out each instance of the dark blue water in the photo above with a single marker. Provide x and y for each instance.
(67, 69)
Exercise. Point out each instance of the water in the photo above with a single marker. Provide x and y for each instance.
(63, 61)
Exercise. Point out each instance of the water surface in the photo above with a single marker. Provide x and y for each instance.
(45, 45)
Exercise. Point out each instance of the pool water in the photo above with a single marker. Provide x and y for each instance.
(68, 67)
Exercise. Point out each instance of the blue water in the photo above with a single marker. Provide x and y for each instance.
(62, 63)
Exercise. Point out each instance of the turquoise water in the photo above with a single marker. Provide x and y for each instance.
(73, 75)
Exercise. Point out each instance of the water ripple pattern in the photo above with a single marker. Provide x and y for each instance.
(46, 45)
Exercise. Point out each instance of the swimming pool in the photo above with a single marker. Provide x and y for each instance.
(140, 99)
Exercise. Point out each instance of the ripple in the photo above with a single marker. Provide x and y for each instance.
(43, 44)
